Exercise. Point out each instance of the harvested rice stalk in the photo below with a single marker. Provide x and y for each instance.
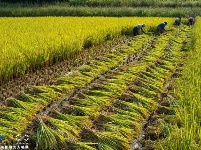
(48, 139)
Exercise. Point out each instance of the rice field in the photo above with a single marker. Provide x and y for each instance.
(104, 103)
(35, 42)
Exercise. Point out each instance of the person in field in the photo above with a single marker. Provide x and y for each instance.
(161, 27)
(190, 21)
(137, 28)
(177, 21)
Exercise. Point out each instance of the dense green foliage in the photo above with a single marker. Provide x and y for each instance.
(62, 10)
(172, 8)
(115, 3)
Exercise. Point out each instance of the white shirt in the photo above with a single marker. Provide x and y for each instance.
(177, 19)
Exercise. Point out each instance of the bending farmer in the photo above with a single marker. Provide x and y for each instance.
(177, 21)
(137, 28)
(161, 27)
(190, 21)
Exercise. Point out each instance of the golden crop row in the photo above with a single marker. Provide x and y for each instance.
(30, 42)
(186, 91)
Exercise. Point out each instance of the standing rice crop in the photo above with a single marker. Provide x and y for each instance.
(31, 43)
(186, 133)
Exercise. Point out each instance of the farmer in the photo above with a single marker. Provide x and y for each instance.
(137, 28)
(190, 21)
(2, 138)
(177, 21)
(161, 27)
